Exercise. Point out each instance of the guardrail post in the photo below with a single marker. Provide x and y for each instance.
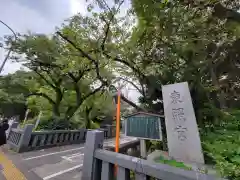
(109, 130)
(91, 167)
(14, 125)
(25, 138)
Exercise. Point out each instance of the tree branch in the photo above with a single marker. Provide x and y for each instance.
(80, 74)
(42, 95)
(131, 103)
(45, 79)
(77, 89)
(134, 85)
(104, 41)
(72, 109)
(103, 7)
(125, 63)
(108, 25)
(93, 92)
(45, 64)
(72, 77)
(84, 54)
(224, 13)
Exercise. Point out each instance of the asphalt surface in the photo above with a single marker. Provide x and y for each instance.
(58, 163)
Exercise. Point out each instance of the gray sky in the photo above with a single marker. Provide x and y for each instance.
(39, 16)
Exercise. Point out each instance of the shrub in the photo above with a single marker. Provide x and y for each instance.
(222, 146)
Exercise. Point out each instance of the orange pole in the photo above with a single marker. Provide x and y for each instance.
(118, 122)
(117, 125)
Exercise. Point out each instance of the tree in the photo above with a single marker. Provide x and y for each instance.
(184, 42)
(96, 109)
(67, 75)
(12, 94)
(60, 81)
(171, 42)
(100, 43)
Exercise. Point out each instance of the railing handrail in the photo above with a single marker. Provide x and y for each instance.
(25, 139)
(99, 162)
(57, 131)
(123, 147)
(156, 170)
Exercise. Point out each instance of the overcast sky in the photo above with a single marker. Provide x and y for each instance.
(39, 16)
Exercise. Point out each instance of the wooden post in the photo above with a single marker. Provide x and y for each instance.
(25, 137)
(143, 150)
(90, 169)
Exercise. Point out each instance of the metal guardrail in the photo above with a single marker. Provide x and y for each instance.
(99, 164)
(22, 140)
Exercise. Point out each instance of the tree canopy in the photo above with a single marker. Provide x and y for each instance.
(153, 43)
(12, 94)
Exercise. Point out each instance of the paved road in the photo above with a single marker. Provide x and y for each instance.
(58, 163)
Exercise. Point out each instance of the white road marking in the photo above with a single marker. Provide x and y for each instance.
(62, 172)
(69, 158)
(75, 155)
(107, 143)
(44, 155)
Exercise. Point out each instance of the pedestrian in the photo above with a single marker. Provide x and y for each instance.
(3, 127)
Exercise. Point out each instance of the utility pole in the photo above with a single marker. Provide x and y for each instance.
(10, 49)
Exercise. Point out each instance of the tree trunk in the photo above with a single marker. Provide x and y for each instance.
(88, 120)
(56, 106)
(221, 98)
(215, 80)
(56, 112)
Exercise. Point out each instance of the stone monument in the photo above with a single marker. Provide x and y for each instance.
(182, 132)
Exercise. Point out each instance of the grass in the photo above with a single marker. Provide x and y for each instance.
(173, 163)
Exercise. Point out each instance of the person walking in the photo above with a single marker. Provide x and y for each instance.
(3, 128)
